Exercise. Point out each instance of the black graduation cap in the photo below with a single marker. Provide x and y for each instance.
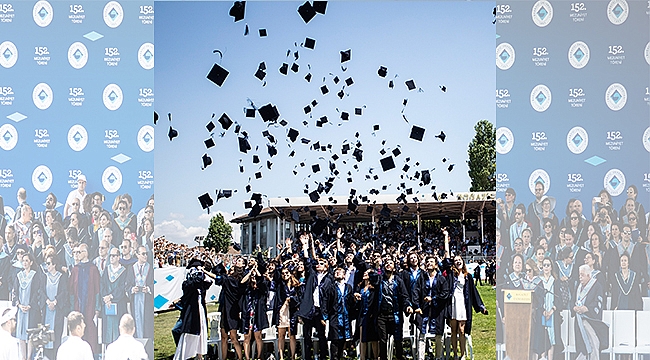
(263, 33)
(295, 67)
(442, 136)
(417, 133)
(210, 126)
(258, 175)
(305, 141)
(241, 168)
(324, 90)
(358, 154)
(271, 150)
(306, 12)
(345, 116)
(308, 77)
(260, 74)
(314, 196)
(345, 148)
(335, 157)
(248, 188)
(382, 71)
(351, 205)
(315, 168)
(426, 177)
(385, 211)
(410, 84)
(256, 210)
(320, 7)
(293, 134)
(396, 152)
(238, 10)
(209, 143)
(250, 113)
(269, 112)
(248, 204)
(207, 161)
(224, 194)
(382, 151)
(346, 55)
(172, 133)
(155, 117)
(405, 102)
(387, 163)
(391, 84)
(340, 94)
(451, 167)
(206, 201)
(406, 168)
(358, 111)
(284, 69)
(295, 216)
(310, 43)
(318, 226)
(225, 121)
(443, 88)
(244, 145)
(256, 159)
(269, 164)
(349, 81)
(257, 197)
(369, 209)
(312, 213)
(316, 145)
(246, 30)
(409, 191)
(307, 109)
(218, 74)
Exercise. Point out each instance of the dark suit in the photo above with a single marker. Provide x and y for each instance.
(310, 313)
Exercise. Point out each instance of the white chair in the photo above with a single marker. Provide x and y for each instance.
(646, 303)
(608, 316)
(470, 347)
(642, 333)
(270, 335)
(623, 332)
(501, 351)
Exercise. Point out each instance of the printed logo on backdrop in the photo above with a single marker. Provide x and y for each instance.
(542, 13)
(42, 178)
(616, 96)
(578, 54)
(540, 98)
(646, 139)
(145, 56)
(145, 138)
(113, 14)
(112, 179)
(617, 11)
(77, 137)
(6, 14)
(536, 176)
(8, 54)
(577, 140)
(77, 55)
(8, 137)
(614, 182)
(505, 140)
(505, 56)
(42, 13)
(42, 96)
(646, 53)
(112, 97)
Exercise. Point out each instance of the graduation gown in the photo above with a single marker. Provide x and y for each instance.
(231, 292)
(435, 311)
(113, 283)
(626, 294)
(194, 290)
(306, 308)
(591, 296)
(472, 300)
(84, 289)
(338, 310)
(282, 292)
(141, 303)
(58, 281)
(253, 305)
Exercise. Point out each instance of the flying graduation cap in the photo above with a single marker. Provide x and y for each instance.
(238, 10)
(218, 74)
(442, 136)
(225, 121)
(417, 133)
(206, 201)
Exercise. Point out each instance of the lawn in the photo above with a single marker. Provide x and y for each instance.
(483, 329)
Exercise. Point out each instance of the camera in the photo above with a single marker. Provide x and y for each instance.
(40, 336)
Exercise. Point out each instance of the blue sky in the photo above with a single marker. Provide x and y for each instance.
(433, 43)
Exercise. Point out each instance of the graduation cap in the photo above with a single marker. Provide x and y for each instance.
(209, 143)
(340, 94)
(387, 163)
(172, 133)
(295, 216)
(396, 152)
(248, 204)
(244, 145)
(442, 136)
(324, 90)
(391, 84)
(271, 150)
(318, 226)
(257, 197)
(349, 81)
(218, 74)
(263, 33)
(315, 168)
(351, 205)
(206, 201)
(451, 167)
(248, 189)
(417, 133)
(358, 154)
(238, 10)
(314, 103)
(256, 159)
(269, 112)
(246, 30)
(241, 168)
(225, 121)
(345, 116)
(306, 12)
(346, 55)
(256, 210)
(207, 161)
(293, 134)
(224, 194)
(358, 111)
(308, 77)
(314, 196)
(410, 84)
(155, 117)
(295, 67)
(210, 126)
(284, 69)
(310, 43)
(382, 71)
(426, 177)
(443, 88)
(375, 127)
(385, 211)
(406, 168)
(409, 191)
(369, 209)
(258, 175)
(320, 7)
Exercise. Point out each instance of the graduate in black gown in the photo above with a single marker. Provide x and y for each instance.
(231, 293)
(339, 311)
(253, 308)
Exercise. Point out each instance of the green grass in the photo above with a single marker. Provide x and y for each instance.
(483, 329)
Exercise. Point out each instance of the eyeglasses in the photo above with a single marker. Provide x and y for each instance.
(574, 218)
(49, 263)
(548, 226)
(148, 212)
(529, 270)
(75, 204)
(123, 247)
(632, 219)
(76, 252)
(518, 244)
(627, 232)
(508, 194)
(547, 265)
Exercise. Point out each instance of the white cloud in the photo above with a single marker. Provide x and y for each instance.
(205, 218)
(176, 215)
(175, 231)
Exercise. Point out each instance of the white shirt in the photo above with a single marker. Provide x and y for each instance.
(125, 347)
(9, 346)
(74, 194)
(75, 348)
(319, 278)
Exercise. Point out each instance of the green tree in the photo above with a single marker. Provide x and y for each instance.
(482, 157)
(219, 234)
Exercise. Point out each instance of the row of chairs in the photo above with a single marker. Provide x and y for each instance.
(269, 336)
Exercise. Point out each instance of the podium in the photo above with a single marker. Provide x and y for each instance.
(517, 305)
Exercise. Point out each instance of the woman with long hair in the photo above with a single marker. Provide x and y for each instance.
(550, 317)
(465, 298)
(231, 293)
(57, 301)
(253, 314)
(625, 286)
(29, 299)
(367, 322)
(287, 299)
